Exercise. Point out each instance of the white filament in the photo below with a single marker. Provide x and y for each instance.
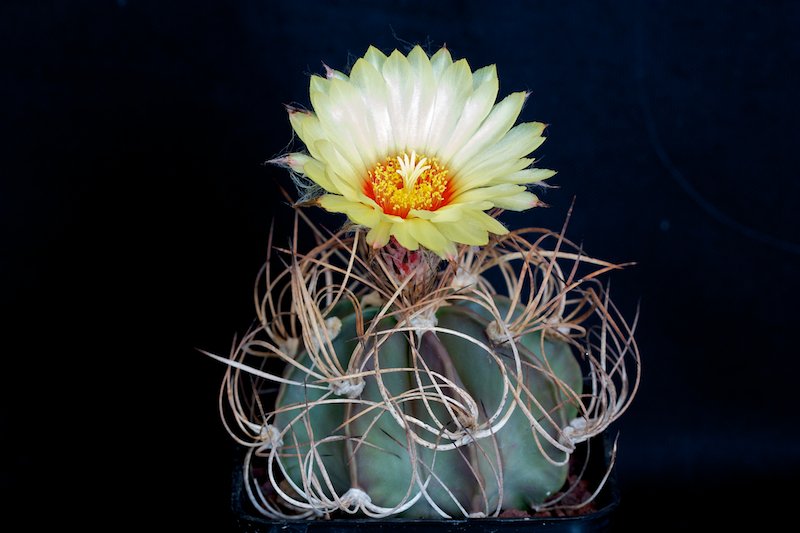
(410, 170)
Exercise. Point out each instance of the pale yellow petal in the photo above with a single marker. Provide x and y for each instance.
(403, 236)
(294, 161)
(375, 57)
(426, 234)
(350, 117)
(339, 116)
(503, 158)
(344, 187)
(528, 175)
(310, 132)
(467, 231)
(420, 111)
(454, 211)
(440, 62)
(370, 83)
(400, 92)
(454, 88)
(338, 169)
(448, 213)
(518, 202)
(488, 193)
(519, 142)
(490, 224)
(484, 74)
(476, 108)
(333, 74)
(379, 235)
(296, 118)
(357, 212)
(486, 175)
(318, 84)
(316, 171)
(496, 125)
(473, 229)
(465, 234)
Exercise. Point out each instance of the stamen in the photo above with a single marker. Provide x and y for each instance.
(403, 183)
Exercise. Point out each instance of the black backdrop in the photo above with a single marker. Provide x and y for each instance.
(135, 210)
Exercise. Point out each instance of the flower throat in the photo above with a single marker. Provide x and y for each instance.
(402, 184)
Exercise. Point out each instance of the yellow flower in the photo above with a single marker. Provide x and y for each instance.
(416, 148)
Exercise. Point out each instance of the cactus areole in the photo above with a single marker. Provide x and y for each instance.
(434, 364)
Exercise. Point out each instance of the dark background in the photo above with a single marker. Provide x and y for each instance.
(134, 213)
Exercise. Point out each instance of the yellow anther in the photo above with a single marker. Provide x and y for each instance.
(403, 183)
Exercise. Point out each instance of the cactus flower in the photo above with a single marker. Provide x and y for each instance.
(416, 148)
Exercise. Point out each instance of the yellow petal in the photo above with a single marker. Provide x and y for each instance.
(489, 194)
(426, 234)
(528, 175)
(496, 125)
(375, 57)
(487, 176)
(467, 231)
(420, 112)
(316, 171)
(440, 62)
(520, 141)
(349, 117)
(454, 211)
(379, 235)
(518, 202)
(400, 92)
(370, 83)
(448, 213)
(454, 88)
(318, 84)
(294, 161)
(296, 119)
(338, 117)
(355, 211)
(502, 158)
(490, 224)
(310, 132)
(476, 108)
(333, 74)
(338, 170)
(403, 236)
(482, 75)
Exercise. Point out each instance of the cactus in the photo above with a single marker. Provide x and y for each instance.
(417, 390)
(435, 364)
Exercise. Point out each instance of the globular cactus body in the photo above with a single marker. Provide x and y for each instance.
(413, 385)
(395, 440)
(416, 389)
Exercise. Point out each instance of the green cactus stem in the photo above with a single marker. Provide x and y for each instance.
(374, 452)
(418, 389)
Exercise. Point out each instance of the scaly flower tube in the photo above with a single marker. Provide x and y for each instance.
(416, 148)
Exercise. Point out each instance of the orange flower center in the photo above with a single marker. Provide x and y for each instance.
(404, 183)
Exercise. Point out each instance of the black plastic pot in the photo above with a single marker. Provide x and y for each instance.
(596, 522)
